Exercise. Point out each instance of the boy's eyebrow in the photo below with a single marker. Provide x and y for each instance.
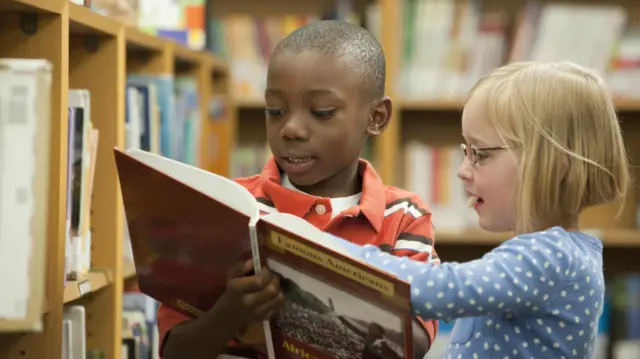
(313, 92)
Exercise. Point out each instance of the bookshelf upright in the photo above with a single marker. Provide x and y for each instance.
(93, 52)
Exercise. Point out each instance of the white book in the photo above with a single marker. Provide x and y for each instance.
(25, 122)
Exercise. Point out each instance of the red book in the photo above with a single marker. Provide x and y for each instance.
(189, 226)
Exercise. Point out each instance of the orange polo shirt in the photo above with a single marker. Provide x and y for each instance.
(393, 219)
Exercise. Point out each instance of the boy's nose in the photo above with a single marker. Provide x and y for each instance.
(295, 129)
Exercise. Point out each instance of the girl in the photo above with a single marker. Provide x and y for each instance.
(542, 144)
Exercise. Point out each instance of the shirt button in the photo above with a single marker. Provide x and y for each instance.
(320, 209)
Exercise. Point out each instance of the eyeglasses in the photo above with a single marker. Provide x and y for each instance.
(472, 152)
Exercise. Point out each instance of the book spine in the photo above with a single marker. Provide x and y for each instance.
(255, 251)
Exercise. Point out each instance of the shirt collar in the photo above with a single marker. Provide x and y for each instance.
(372, 202)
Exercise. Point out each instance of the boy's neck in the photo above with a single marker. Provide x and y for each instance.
(345, 183)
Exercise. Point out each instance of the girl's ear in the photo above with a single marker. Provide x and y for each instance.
(380, 116)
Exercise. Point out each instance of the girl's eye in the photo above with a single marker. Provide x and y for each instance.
(481, 155)
(323, 113)
(273, 112)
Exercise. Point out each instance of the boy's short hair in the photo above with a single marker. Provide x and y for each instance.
(342, 39)
(561, 122)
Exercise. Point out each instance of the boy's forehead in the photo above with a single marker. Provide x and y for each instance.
(313, 69)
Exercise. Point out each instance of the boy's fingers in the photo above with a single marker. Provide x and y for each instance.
(268, 309)
(263, 295)
(252, 283)
(241, 269)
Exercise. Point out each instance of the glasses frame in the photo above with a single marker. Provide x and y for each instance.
(472, 155)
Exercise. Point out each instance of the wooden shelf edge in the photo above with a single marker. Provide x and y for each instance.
(46, 6)
(614, 238)
(128, 270)
(84, 20)
(89, 283)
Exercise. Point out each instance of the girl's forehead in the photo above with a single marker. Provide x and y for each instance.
(476, 126)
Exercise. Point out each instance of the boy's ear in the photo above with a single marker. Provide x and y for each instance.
(380, 116)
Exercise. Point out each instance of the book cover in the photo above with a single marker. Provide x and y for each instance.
(189, 226)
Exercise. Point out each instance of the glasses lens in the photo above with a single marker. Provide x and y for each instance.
(469, 152)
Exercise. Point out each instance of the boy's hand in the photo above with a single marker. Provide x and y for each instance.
(252, 298)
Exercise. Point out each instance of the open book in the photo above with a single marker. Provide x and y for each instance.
(189, 226)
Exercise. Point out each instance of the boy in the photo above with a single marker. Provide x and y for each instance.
(324, 98)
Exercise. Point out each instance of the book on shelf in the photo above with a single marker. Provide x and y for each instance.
(189, 226)
(25, 125)
(82, 149)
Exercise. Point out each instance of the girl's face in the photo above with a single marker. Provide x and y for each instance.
(491, 181)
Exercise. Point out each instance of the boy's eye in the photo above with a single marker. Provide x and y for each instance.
(273, 112)
(323, 113)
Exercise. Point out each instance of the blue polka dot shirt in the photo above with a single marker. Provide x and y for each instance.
(538, 295)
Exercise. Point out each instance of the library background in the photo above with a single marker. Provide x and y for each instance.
(120, 73)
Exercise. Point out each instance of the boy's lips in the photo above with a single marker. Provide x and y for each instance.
(297, 164)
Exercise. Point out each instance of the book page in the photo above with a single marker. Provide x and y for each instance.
(215, 186)
(326, 320)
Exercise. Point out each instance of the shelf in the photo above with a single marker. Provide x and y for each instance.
(610, 238)
(624, 105)
(249, 103)
(39, 6)
(430, 105)
(91, 282)
(83, 20)
(138, 40)
(128, 270)
(185, 58)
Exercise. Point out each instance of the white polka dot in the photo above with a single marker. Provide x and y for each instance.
(409, 278)
(430, 283)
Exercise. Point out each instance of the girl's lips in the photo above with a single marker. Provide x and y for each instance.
(475, 201)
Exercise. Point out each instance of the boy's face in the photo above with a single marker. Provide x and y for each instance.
(318, 120)
(493, 180)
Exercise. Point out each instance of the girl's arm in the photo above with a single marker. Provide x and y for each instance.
(522, 274)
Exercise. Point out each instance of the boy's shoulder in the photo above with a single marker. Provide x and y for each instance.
(400, 198)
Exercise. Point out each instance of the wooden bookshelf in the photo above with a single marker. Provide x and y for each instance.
(437, 121)
(93, 52)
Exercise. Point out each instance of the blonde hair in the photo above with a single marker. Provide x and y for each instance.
(561, 119)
